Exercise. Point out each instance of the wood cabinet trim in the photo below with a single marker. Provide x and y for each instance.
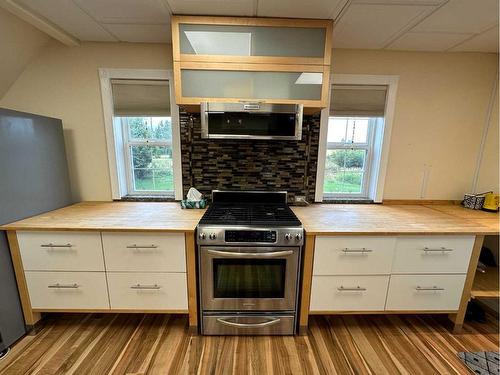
(252, 21)
(307, 271)
(30, 317)
(252, 59)
(191, 279)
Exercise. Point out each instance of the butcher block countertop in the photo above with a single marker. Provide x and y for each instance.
(347, 219)
(317, 218)
(114, 216)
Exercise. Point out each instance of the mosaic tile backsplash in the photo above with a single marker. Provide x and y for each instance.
(237, 164)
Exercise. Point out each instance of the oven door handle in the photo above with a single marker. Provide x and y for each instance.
(230, 254)
(249, 325)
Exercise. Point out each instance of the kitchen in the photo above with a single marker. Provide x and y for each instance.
(332, 143)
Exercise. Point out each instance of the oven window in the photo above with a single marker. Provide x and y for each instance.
(249, 278)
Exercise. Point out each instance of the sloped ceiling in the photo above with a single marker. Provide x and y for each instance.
(13, 59)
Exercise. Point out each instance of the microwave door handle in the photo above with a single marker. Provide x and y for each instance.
(229, 254)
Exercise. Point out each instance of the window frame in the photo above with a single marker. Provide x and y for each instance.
(368, 146)
(116, 136)
(381, 134)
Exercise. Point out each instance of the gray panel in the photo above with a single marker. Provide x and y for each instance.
(11, 314)
(33, 167)
(33, 179)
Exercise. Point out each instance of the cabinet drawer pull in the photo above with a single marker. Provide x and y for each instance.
(51, 245)
(422, 288)
(360, 250)
(353, 289)
(145, 287)
(63, 286)
(134, 246)
(438, 250)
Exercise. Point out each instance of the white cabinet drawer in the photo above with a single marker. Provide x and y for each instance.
(348, 293)
(148, 291)
(67, 290)
(353, 255)
(433, 254)
(144, 252)
(61, 251)
(425, 292)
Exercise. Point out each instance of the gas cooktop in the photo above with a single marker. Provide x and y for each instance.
(249, 209)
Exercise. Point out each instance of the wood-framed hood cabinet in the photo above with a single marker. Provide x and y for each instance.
(266, 60)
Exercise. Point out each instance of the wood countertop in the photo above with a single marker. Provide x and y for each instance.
(351, 219)
(347, 219)
(114, 216)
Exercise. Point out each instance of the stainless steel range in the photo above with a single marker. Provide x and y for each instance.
(249, 251)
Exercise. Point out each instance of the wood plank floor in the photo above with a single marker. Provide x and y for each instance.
(160, 344)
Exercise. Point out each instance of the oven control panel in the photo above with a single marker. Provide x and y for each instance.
(207, 235)
(268, 236)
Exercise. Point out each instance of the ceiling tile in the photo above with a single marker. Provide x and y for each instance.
(70, 18)
(213, 7)
(126, 11)
(485, 42)
(372, 26)
(300, 8)
(140, 33)
(428, 41)
(462, 16)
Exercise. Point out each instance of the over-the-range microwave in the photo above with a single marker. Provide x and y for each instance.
(251, 121)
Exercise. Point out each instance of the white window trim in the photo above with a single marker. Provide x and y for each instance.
(382, 135)
(118, 175)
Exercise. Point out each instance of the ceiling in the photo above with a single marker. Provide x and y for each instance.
(417, 25)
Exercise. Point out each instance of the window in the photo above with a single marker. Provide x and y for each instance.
(354, 138)
(148, 149)
(142, 124)
(348, 156)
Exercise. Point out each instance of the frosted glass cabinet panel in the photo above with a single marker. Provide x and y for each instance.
(297, 86)
(199, 39)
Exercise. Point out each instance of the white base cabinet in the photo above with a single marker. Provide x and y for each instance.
(103, 271)
(382, 273)
(67, 290)
(425, 292)
(349, 293)
(147, 291)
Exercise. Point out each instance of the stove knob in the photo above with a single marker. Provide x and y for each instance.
(298, 236)
(202, 236)
(288, 236)
(212, 236)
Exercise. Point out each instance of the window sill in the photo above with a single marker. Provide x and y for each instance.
(348, 201)
(147, 198)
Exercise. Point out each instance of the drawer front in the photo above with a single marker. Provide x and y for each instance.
(429, 254)
(348, 293)
(67, 290)
(144, 252)
(148, 291)
(425, 292)
(248, 325)
(353, 255)
(61, 251)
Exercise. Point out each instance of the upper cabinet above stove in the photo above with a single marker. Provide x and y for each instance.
(232, 59)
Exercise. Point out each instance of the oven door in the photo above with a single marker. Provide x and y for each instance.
(249, 278)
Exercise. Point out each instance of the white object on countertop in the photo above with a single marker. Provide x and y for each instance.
(194, 195)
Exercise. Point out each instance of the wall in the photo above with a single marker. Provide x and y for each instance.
(64, 83)
(488, 172)
(225, 164)
(440, 111)
(13, 59)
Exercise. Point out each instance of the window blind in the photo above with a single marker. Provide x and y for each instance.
(358, 100)
(133, 97)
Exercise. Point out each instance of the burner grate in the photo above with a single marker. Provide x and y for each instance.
(250, 214)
